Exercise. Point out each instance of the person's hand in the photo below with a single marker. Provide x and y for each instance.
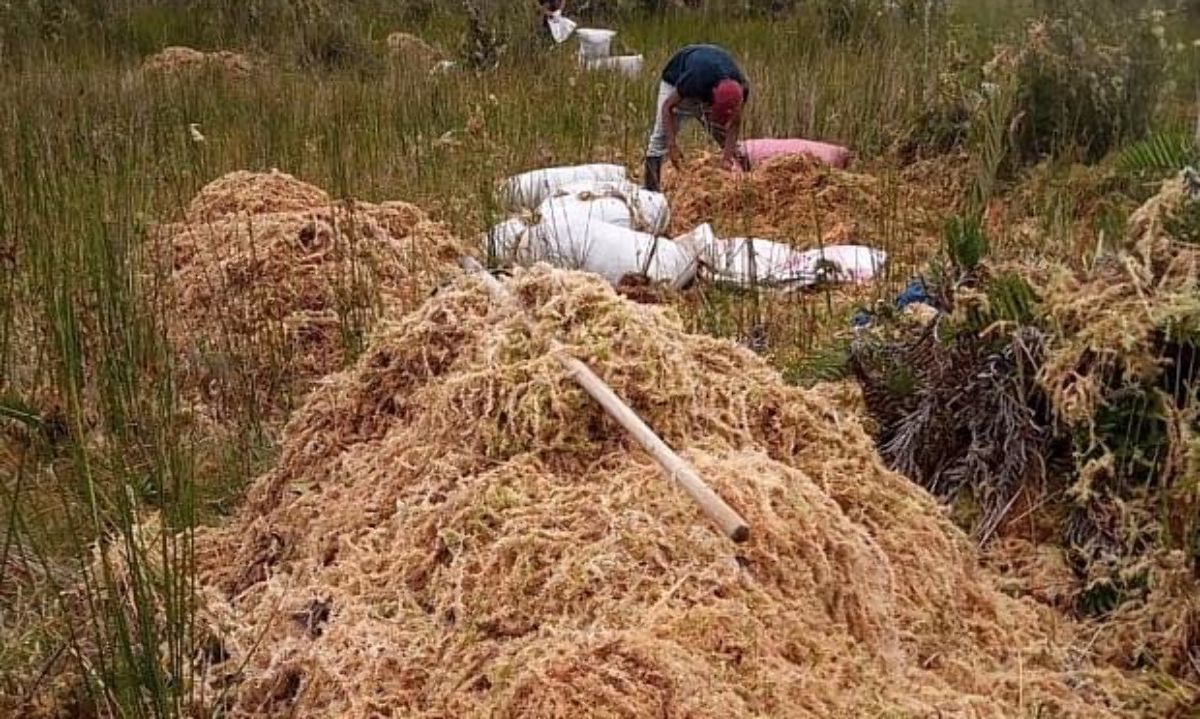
(675, 155)
(730, 163)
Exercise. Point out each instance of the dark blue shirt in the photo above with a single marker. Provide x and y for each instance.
(696, 69)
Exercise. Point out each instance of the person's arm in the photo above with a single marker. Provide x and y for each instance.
(671, 128)
(733, 130)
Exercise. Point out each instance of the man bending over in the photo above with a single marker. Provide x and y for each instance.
(700, 82)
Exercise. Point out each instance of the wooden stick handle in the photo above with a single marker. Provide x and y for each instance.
(675, 467)
(730, 522)
(495, 289)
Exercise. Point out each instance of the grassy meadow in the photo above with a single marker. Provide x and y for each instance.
(93, 153)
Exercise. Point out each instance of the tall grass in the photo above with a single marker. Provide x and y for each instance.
(91, 154)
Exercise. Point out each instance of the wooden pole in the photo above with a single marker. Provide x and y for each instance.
(675, 467)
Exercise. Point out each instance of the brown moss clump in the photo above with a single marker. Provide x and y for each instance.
(275, 285)
(254, 193)
(455, 529)
(410, 48)
(804, 203)
(1164, 233)
(1038, 570)
(183, 61)
(847, 397)
(1161, 629)
(1112, 321)
(640, 289)
(1129, 331)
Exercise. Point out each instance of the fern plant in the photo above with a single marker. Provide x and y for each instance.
(966, 243)
(1158, 156)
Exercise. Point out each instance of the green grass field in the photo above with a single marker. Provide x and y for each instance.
(93, 154)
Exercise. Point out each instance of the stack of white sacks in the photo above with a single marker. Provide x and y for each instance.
(593, 218)
(595, 52)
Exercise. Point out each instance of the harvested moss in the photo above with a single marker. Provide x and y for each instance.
(184, 61)
(486, 542)
(799, 201)
(275, 284)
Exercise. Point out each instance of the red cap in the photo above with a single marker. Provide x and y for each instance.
(727, 97)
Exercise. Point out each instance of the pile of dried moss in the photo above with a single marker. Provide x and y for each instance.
(799, 201)
(455, 529)
(184, 62)
(274, 284)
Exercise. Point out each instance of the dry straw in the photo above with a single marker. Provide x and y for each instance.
(407, 48)
(273, 279)
(183, 61)
(800, 201)
(455, 529)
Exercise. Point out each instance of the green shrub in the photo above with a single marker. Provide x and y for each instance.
(331, 41)
(943, 126)
(1083, 87)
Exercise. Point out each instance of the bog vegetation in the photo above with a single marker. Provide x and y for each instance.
(242, 386)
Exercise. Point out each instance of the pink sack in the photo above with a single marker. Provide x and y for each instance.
(761, 150)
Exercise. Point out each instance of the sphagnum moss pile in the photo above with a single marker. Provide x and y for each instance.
(454, 529)
(275, 282)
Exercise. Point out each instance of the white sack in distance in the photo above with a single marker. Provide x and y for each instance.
(590, 218)
(595, 236)
(628, 65)
(745, 262)
(622, 203)
(527, 190)
(594, 42)
(560, 27)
